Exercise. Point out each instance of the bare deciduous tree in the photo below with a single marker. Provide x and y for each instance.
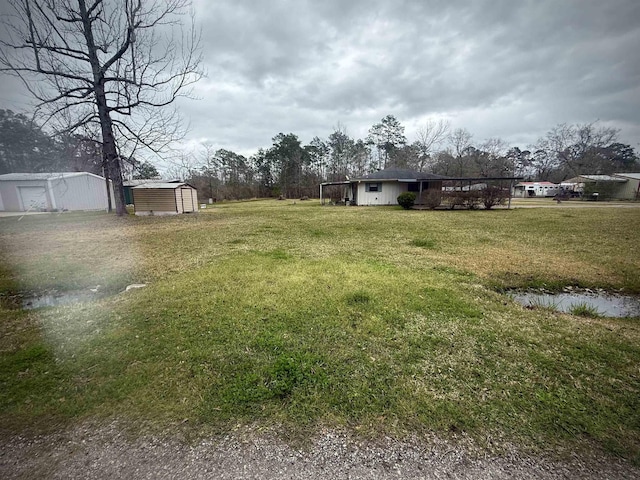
(575, 149)
(114, 63)
(429, 136)
(461, 142)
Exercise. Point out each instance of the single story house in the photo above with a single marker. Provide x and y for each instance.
(159, 198)
(129, 184)
(621, 186)
(384, 186)
(21, 192)
(536, 189)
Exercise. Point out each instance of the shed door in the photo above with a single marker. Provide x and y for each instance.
(187, 200)
(33, 198)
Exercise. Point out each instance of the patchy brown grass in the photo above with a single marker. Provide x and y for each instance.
(379, 319)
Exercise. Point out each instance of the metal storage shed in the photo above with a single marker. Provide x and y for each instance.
(53, 192)
(129, 184)
(164, 199)
(621, 186)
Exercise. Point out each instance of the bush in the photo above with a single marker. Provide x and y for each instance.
(492, 196)
(432, 199)
(468, 199)
(406, 200)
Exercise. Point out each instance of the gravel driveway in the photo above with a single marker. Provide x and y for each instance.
(106, 453)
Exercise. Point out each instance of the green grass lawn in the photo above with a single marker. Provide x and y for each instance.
(297, 316)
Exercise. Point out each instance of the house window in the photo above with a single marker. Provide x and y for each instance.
(373, 187)
(413, 187)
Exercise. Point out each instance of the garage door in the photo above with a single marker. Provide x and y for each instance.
(33, 198)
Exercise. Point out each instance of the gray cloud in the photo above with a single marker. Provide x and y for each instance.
(498, 68)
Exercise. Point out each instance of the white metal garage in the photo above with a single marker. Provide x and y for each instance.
(53, 192)
(33, 198)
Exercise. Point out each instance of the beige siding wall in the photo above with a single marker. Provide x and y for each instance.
(157, 200)
(179, 205)
(194, 195)
(388, 195)
(187, 199)
(165, 201)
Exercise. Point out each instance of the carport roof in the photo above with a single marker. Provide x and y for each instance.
(595, 178)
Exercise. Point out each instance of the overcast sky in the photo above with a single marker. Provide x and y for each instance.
(499, 68)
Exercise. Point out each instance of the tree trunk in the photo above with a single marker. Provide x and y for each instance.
(109, 150)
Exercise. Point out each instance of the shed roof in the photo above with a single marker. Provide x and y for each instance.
(135, 183)
(45, 175)
(162, 185)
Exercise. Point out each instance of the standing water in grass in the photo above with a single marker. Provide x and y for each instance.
(597, 304)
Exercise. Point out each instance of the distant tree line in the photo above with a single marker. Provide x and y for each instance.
(291, 169)
(26, 147)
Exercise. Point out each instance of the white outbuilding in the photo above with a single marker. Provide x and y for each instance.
(49, 192)
(536, 189)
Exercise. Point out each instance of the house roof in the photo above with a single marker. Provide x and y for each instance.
(401, 174)
(44, 175)
(162, 185)
(405, 175)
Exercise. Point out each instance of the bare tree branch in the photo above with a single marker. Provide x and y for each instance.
(430, 135)
(113, 62)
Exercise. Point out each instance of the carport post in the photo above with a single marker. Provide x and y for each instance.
(510, 190)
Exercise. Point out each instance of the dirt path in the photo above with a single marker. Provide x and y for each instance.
(105, 453)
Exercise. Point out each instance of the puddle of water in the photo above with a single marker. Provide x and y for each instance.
(606, 305)
(54, 300)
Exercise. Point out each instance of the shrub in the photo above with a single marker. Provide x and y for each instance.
(492, 196)
(406, 200)
(432, 199)
(468, 199)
